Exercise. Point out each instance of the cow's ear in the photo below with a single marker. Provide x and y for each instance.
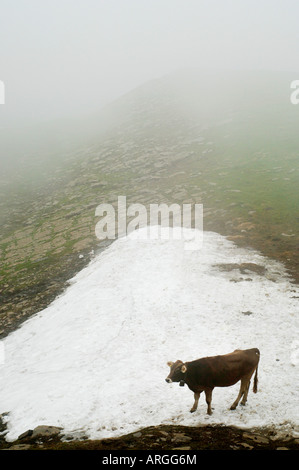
(183, 369)
(170, 364)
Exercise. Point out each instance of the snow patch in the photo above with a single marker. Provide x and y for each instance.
(94, 361)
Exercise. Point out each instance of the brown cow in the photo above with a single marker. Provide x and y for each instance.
(217, 371)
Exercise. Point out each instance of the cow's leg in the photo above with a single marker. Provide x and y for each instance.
(244, 399)
(196, 398)
(241, 392)
(209, 400)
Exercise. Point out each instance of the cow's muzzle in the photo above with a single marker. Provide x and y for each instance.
(168, 380)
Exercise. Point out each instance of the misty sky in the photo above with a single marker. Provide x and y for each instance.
(67, 58)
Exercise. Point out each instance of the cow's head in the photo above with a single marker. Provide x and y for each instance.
(177, 372)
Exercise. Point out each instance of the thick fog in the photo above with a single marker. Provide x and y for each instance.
(66, 59)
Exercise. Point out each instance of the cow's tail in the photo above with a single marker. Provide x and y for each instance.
(255, 381)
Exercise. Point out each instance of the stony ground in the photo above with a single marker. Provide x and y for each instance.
(162, 438)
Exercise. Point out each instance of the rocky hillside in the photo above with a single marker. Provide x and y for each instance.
(229, 142)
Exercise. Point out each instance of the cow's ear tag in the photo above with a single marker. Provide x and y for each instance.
(183, 368)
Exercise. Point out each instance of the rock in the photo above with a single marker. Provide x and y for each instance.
(180, 437)
(25, 434)
(246, 446)
(46, 431)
